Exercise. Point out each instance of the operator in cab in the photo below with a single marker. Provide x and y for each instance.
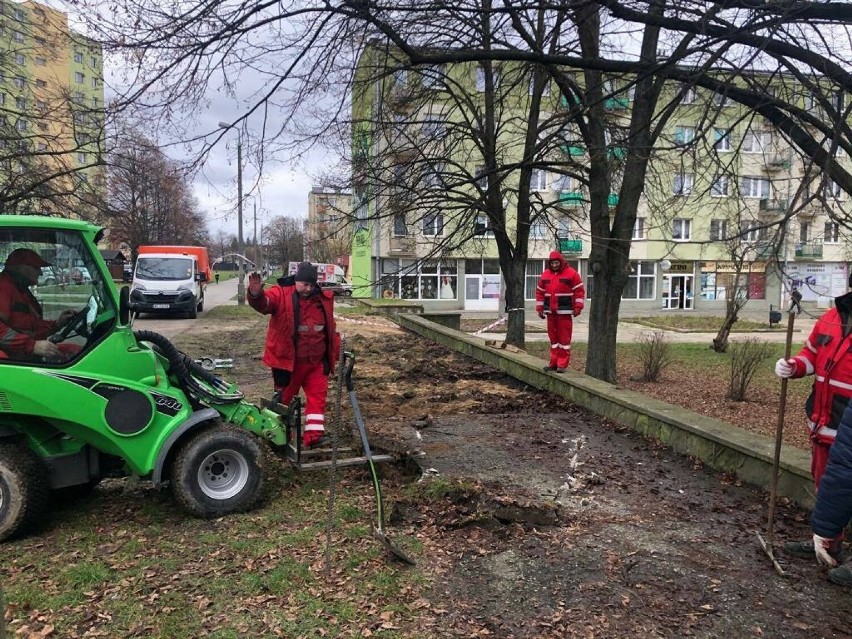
(23, 329)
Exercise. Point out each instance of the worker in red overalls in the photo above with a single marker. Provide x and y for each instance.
(23, 329)
(302, 343)
(559, 296)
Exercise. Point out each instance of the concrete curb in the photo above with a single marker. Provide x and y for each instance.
(718, 444)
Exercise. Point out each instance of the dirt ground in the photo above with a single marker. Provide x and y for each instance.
(552, 522)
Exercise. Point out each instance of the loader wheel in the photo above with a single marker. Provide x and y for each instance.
(218, 471)
(24, 489)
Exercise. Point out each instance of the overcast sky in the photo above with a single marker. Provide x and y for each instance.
(285, 182)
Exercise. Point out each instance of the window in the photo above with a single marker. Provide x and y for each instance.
(718, 230)
(639, 229)
(832, 190)
(482, 225)
(400, 228)
(534, 270)
(641, 281)
(545, 90)
(538, 180)
(78, 57)
(95, 83)
(19, 15)
(832, 233)
(40, 61)
(21, 125)
(721, 186)
(720, 100)
(752, 231)
(42, 146)
(433, 76)
(20, 103)
(433, 224)
(481, 180)
(20, 59)
(688, 94)
(684, 135)
(434, 127)
(480, 77)
(431, 279)
(538, 228)
(20, 81)
(17, 36)
(681, 229)
(81, 157)
(433, 177)
(721, 140)
(804, 232)
(80, 97)
(561, 183)
(79, 78)
(682, 184)
(755, 187)
(41, 105)
(2, 99)
(756, 141)
(400, 80)
(95, 103)
(94, 62)
(41, 84)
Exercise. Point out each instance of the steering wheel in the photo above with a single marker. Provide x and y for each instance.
(76, 325)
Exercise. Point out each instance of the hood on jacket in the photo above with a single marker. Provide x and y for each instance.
(556, 255)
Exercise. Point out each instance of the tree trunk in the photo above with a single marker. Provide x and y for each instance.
(720, 342)
(603, 320)
(515, 285)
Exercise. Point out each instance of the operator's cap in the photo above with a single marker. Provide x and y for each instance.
(25, 257)
(306, 272)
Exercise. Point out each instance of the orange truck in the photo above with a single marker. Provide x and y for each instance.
(170, 280)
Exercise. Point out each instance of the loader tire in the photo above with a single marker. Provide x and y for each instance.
(24, 489)
(218, 471)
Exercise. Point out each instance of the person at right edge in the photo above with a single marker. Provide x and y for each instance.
(827, 355)
(302, 343)
(559, 296)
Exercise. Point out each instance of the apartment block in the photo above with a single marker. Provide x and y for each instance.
(730, 207)
(51, 110)
(328, 231)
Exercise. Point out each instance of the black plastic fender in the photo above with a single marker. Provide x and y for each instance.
(198, 417)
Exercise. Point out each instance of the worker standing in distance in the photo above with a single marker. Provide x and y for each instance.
(302, 343)
(560, 297)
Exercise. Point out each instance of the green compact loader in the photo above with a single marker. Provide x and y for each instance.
(108, 401)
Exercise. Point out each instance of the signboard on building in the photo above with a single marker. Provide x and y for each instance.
(817, 282)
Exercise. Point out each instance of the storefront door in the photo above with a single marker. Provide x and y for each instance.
(677, 292)
(482, 292)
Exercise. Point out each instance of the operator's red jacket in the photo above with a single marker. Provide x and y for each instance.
(826, 355)
(560, 293)
(281, 302)
(21, 323)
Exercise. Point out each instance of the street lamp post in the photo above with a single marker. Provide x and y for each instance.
(241, 275)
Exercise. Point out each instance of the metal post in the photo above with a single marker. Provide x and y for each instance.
(241, 277)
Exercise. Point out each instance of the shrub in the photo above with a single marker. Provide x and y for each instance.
(746, 356)
(655, 354)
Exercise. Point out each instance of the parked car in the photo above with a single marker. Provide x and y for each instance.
(80, 275)
(50, 275)
(334, 287)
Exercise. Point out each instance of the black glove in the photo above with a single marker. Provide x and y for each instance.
(280, 378)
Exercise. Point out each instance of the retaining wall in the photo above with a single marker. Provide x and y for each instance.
(718, 444)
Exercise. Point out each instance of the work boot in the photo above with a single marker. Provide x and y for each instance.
(805, 550)
(550, 368)
(312, 438)
(842, 575)
(561, 370)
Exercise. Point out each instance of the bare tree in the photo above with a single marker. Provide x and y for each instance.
(285, 240)
(177, 53)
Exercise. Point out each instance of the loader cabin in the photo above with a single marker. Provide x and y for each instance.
(56, 299)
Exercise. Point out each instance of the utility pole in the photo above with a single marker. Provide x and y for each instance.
(241, 275)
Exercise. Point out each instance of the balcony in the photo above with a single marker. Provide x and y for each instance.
(572, 151)
(612, 200)
(565, 102)
(570, 198)
(569, 245)
(773, 206)
(403, 245)
(617, 104)
(808, 251)
(617, 152)
(765, 250)
(777, 162)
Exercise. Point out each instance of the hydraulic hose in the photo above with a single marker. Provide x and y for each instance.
(191, 377)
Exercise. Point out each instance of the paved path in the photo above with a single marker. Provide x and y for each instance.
(220, 294)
